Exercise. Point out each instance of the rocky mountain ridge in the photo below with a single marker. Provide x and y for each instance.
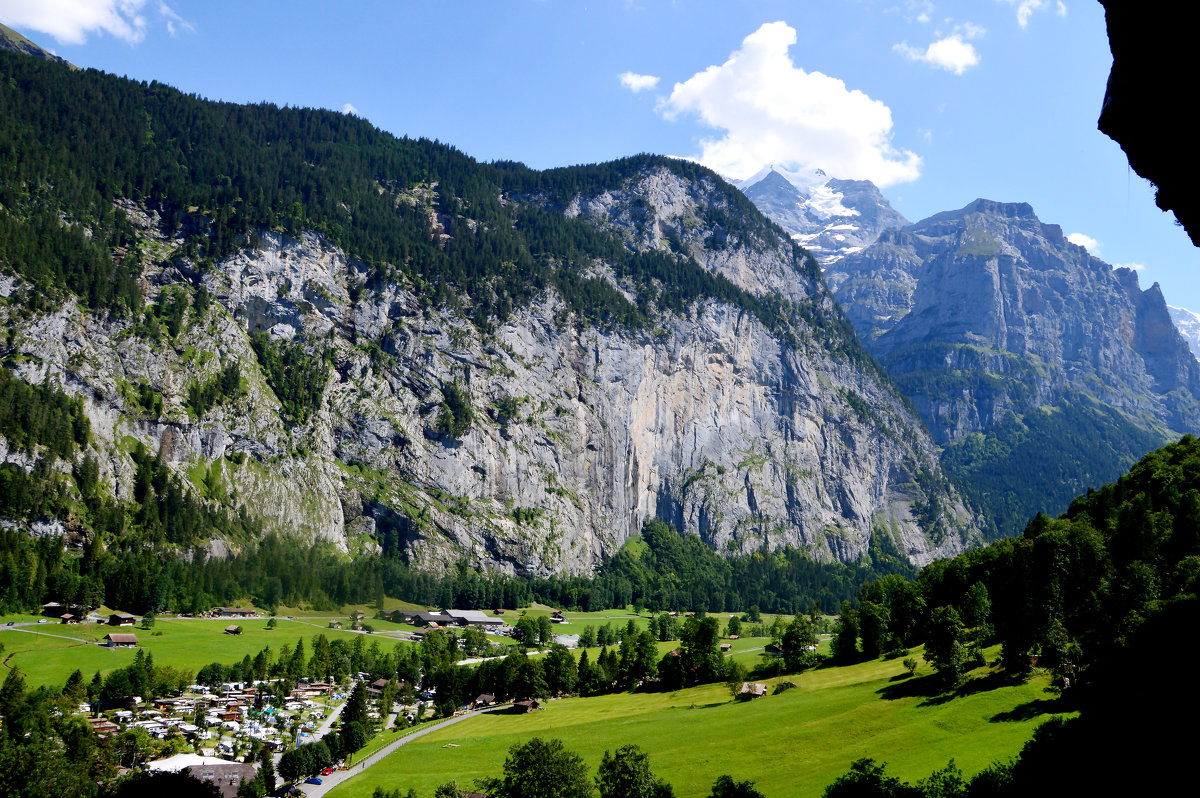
(985, 315)
(536, 443)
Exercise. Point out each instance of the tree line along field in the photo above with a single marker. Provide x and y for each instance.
(46, 658)
(48, 653)
(794, 743)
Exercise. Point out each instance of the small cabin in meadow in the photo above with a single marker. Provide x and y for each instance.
(753, 690)
(120, 641)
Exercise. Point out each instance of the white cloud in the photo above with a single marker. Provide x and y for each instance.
(771, 111)
(71, 21)
(916, 11)
(175, 23)
(1137, 267)
(635, 82)
(1027, 8)
(350, 109)
(970, 30)
(951, 54)
(1085, 241)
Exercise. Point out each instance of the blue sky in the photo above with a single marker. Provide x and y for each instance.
(938, 102)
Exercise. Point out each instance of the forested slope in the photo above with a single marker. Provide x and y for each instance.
(287, 320)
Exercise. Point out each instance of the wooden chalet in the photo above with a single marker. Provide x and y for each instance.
(233, 630)
(122, 619)
(103, 726)
(753, 690)
(236, 612)
(484, 700)
(526, 705)
(117, 640)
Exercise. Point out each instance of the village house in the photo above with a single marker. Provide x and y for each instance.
(120, 641)
(433, 620)
(473, 618)
(235, 612)
(226, 776)
(233, 630)
(753, 690)
(122, 619)
(103, 726)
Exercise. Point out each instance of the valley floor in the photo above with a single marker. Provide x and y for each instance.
(791, 744)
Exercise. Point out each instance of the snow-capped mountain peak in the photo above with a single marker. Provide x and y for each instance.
(1188, 324)
(830, 217)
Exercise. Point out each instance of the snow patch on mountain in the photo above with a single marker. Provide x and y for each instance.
(831, 218)
(1188, 324)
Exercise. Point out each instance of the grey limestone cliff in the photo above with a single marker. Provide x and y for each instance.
(724, 425)
(1041, 370)
(992, 294)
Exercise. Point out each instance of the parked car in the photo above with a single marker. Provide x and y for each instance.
(313, 780)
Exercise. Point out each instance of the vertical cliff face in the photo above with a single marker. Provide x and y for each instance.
(750, 418)
(991, 290)
(986, 315)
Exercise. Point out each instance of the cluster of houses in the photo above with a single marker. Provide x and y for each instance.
(70, 613)
(438, 620)
(236, 713)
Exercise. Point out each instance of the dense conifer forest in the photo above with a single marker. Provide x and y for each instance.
(217, 173)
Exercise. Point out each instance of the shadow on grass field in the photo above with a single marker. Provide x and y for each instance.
(791, 744)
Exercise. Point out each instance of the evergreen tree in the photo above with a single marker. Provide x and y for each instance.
(355, 710)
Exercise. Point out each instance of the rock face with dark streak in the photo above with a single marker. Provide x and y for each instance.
(750, 438)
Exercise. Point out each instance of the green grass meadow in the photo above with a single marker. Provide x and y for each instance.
(46, 658)
(791, 744)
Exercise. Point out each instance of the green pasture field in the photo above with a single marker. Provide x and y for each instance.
(790, 744)
(46, 658)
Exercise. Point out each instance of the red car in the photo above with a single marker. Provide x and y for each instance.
(326, 771)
